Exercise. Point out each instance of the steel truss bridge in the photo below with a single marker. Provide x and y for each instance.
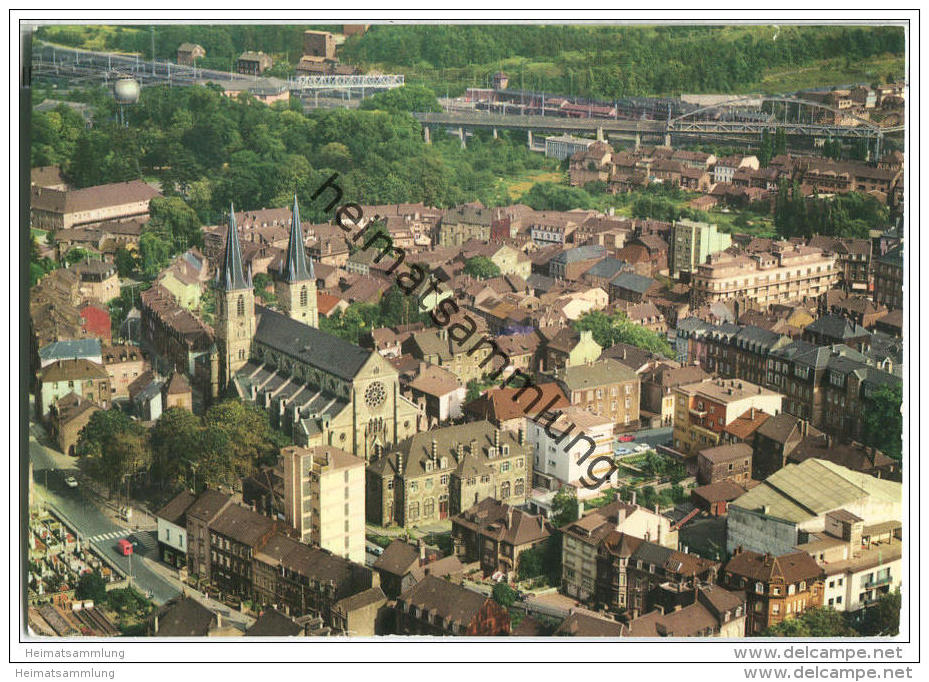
(86, 66)
(711, 121)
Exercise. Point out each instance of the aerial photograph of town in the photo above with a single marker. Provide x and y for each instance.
(422, 330)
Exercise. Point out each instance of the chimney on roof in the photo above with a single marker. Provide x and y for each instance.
(633, 498)
(522, 436)
(472, 446)
(459, 450)
(752, 414)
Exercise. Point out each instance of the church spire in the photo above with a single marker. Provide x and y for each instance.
(232, 276)
(294, 268)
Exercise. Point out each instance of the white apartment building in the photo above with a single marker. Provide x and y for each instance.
(566, 444)
(789, 272)
(861, 562)
(324, 498)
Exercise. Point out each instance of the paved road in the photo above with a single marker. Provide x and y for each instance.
(50, 468)
(650, 437)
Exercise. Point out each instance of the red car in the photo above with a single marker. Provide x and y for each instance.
(625, 438)
(125, 547)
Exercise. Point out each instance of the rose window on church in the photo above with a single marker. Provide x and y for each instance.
(375, 394)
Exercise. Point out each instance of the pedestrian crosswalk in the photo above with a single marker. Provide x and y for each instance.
(113, 535)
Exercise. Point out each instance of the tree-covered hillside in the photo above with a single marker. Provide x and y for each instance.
(596, 61)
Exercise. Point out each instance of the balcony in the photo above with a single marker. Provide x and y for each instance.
(877, 582)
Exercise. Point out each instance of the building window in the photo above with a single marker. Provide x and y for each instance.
(303, 296)
(240, 306)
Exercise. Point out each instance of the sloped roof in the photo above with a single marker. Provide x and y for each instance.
(273, 623)
(445, 599)
(308, 344)
(504, 523)
(793, 566)
(583, 625)
(184, 617)
(632, 282)
(399, 558)
(62, 350)
(174, 511)
(799, 492)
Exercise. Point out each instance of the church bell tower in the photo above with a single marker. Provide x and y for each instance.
(235, 308)
(295, 281)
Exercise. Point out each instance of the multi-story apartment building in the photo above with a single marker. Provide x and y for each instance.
(853, 259)
(565, 146)
(582, 540)
(703, 410)
(79, 376)
(861, 562)
(726, 167)
(464, 223)
(888, 278)
(467, 360)
(53, 209)
(437, 607)
(98, 280)
(197, 519)
(442, 472)
(571, 447)
(789, 272)
(236, 534)
(324, 493)
(124, 364)
(302, 580)
(725, 462)
(691, 242)
(827, 385)
(496, 534)
(778, 587)
(572, 263)
(606, 387)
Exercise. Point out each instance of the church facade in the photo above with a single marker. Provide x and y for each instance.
(320, 389)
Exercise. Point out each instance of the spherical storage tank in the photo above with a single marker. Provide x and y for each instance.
(127, 91)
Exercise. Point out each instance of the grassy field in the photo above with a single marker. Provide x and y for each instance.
(830, 72)
(520, 184)
(760, 226)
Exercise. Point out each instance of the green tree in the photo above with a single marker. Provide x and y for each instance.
(481, 267)
(175, 442)
(504, 595)
(881, 619)
(883, 421)
(818, 622)
(91, 586)
(407, 98)
(172, 216)
(76, 256)
(550, 196)
(126, 262)
(114, 448)
(565, 508)
(609, 330)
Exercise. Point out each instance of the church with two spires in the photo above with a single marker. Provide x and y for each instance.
(319, 388)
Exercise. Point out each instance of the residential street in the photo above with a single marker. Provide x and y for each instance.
(79, 508)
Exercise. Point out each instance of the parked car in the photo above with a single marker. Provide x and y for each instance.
(641, 447)
(622, 451)
(71, 482)
(626, 438)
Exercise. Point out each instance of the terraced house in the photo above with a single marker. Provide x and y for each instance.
(440, 473)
